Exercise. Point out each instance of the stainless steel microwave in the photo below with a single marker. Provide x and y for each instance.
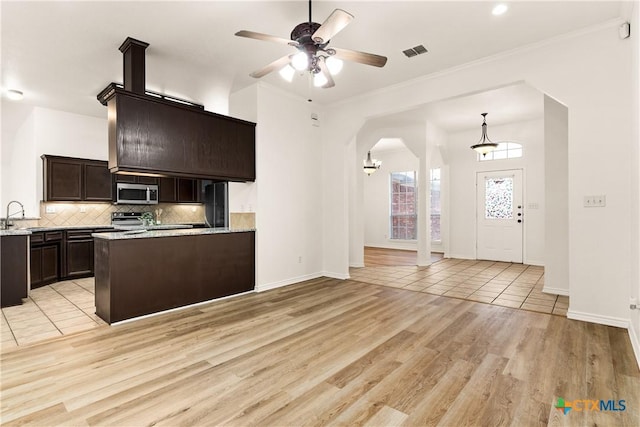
(136, 194)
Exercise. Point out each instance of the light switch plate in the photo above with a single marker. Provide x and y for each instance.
(595, 201)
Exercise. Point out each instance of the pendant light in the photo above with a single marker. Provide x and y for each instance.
(370, 166)
(485, 145)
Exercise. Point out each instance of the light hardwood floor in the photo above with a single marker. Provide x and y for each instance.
(325, 352)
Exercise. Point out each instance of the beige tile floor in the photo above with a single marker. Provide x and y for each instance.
(498, 283)
(50, 311)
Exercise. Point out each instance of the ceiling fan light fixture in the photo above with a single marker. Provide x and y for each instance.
(485, 145)
(300, 61)
(334, 65)
(287, 72)
(319, 80)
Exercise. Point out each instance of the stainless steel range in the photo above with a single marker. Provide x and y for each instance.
(126, 218)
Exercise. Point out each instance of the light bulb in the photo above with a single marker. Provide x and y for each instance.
(319, 80)
(499, 9)
(334, 65)
(300, 61)
(287, 73)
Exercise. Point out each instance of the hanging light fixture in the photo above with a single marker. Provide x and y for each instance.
(370, 166)
(485, 145)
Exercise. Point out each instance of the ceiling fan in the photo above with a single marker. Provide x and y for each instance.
(312, 40)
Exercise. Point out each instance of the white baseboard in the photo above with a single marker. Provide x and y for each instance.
(333, 275)
(556, 291)
(635, 343)
(534, 262)
(596, 318)
(403, 246)
(459, 256)
(291, 281)
(357, 265)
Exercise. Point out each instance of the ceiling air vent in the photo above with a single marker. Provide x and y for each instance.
(415, 51)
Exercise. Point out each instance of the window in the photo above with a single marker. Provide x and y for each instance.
(403, 221)
(505, 150)
(498, 198)
(435, 205)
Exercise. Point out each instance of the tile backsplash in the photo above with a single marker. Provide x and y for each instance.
(74, 214)
(79, 214)
(242, 220)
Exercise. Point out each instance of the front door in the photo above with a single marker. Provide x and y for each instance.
(499, 216)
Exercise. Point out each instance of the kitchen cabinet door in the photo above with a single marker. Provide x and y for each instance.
(167, 190)
(35, 267)
(62, 179)
(50, 264)
(97, 182)
(44, 265)
(186, 190)
(79, 258)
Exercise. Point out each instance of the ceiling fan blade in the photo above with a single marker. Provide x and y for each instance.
(265, 37)
(325, 71)
(361, 57)
(275, 65)
(332, 26)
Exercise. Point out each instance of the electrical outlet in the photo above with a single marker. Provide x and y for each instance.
(83, 209)
(299, 260)
(50, 209)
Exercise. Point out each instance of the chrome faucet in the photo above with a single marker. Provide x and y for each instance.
(8, 224)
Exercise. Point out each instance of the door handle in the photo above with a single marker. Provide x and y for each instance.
(519, 221)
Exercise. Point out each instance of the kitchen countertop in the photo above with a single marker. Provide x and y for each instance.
(16, 232)
(146, 234)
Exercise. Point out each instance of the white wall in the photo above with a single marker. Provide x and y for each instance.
(289, 189)
(29, 132)
(590, 74)
(376, 198)
(556, 120)
(463, 167)
(634, 330)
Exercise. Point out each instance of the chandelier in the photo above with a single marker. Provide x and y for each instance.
(485, 145)
(370, 166)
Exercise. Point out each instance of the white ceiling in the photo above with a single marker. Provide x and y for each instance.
(62, 53)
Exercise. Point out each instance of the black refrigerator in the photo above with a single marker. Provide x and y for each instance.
(215, 195)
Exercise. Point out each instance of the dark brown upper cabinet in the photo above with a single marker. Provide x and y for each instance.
(179, 190)
(69, 179)
(153, 135)
(135, 179)
(97, 181)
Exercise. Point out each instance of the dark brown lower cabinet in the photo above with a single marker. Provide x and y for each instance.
(184, 270)
(45, 265)
(79, 258)
(13, 275)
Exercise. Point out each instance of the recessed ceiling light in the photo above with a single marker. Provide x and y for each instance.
(499, 9)
(14, 95)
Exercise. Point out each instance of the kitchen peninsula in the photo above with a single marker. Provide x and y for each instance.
(144, 272)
